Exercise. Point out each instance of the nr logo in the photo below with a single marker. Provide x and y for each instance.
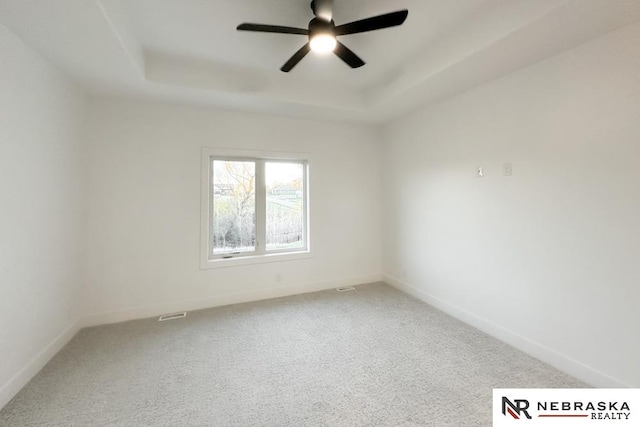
(516, 408)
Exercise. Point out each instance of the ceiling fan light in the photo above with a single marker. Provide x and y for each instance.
(323, 43)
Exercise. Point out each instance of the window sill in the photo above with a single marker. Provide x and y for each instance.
(255, 259)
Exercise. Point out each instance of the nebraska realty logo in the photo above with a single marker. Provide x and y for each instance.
(566, 407)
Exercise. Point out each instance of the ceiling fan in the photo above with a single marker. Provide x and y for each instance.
(322, 32)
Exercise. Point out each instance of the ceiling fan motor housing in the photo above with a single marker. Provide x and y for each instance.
(319, 26)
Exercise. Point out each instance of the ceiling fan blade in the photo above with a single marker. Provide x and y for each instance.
(348, 56)
(375, 23)
(297, 57)
(272, 29)
(323, 9)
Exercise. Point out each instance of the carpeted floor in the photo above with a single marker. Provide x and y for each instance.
(369, 357)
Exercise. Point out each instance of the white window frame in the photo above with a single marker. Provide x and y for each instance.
(260, 255)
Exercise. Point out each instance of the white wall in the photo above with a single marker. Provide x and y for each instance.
(549, 258)
(41, 212)
(144, 208)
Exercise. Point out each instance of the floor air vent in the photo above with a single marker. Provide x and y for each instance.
(172, 316)
(346, 289)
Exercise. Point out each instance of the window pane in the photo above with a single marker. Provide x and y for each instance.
(233, 222)
(285, 205)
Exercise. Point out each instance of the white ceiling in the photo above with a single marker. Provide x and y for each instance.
(189, 51)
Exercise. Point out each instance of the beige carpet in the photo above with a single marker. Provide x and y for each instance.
(370, 357)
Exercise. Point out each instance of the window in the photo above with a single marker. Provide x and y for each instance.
(254, 207)
(233, 210)
(285, 188)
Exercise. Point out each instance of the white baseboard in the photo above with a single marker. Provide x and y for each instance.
(20, 379)
(134, 313)
(548, 355)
